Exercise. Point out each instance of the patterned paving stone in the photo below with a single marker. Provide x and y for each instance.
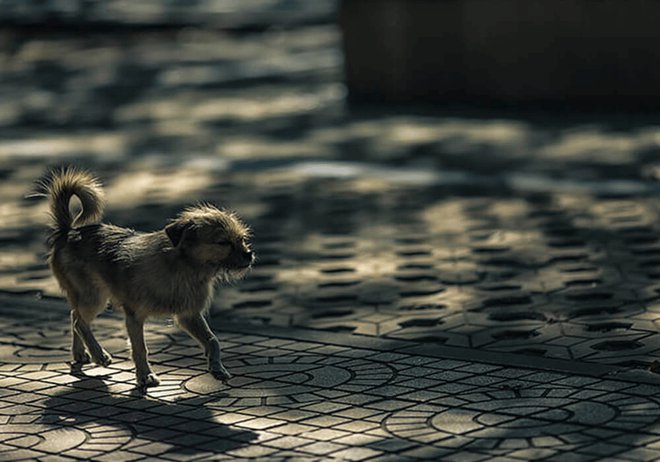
(297, 377)
(289, 400)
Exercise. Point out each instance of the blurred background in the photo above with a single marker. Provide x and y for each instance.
(445, 172)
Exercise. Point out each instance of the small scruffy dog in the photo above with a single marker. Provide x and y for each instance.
(170, 272)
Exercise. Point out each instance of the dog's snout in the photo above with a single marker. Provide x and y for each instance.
(248, 254)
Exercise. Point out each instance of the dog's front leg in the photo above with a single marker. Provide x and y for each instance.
(135, 327)
(198, 328)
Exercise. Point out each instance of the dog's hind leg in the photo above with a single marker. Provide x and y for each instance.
(78, 352)
(198, 328)
(135, 328)
(80, 322)
(87, 300)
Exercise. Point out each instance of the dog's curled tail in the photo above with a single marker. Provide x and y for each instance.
(66, 183)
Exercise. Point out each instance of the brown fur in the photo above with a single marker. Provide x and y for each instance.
(170, 272)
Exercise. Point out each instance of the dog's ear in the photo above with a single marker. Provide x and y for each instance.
(177, 232)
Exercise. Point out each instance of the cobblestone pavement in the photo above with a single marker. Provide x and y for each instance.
(300, 394)
(430, 282)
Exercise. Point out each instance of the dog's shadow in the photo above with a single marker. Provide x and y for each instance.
(186, 425)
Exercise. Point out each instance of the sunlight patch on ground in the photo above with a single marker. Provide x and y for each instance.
(14, 215)
(145, 187)
(590, 143)
(200, 108)
(352, 170)
(256, 147)
(106, 145)
(526, 182)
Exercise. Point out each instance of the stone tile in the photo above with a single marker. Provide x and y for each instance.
(288, 442)
(633, 439)
(389, 405)
(331, 394)
(482, 380)
(253, 452)
(467, 456)
(391, 445)
(358, 399)
(325, 408)
(574, 457)
(82, 454)
(356, 454)
(357, 413)
(545, 377)
(190, 440)
(641, 454)
(394, 458)
(644, 390)
(390, 391)
(25, 454)
(449, 376)
(293, 429)
(602, 433)
(322, 448)
(231, 418)
(16, 409)
(533, 453)
(611, 385)
(326, 434)
(53, 458)
(512, 373)
(217, 431)
(479, 368)
(357, 426)
(576, 381)
(604, 449)
(23, 398)
(292, 415)
(259, 424)
(39, 375)
(427, 453)
(453, 388)
(387, 357)
(357, 439)
(161, 434)
(325, 421)
(418, 383)
(153, 449)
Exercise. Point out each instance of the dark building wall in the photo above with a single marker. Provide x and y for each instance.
(604, 52)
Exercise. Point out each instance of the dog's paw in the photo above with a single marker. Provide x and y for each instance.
(219, 372)
(149, 380)
(81, 358)
(103, 359)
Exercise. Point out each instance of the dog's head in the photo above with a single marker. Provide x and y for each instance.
(214, 239)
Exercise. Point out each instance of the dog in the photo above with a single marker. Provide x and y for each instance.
(169, 272)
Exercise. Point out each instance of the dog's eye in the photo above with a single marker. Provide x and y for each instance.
(224, 243)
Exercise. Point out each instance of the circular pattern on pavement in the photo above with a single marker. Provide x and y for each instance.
(536, 416)
(56, 440)
(293, 376)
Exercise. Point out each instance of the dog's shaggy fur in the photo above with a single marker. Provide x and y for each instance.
(170, 272)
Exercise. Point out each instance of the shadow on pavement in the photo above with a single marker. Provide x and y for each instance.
(184, 425)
